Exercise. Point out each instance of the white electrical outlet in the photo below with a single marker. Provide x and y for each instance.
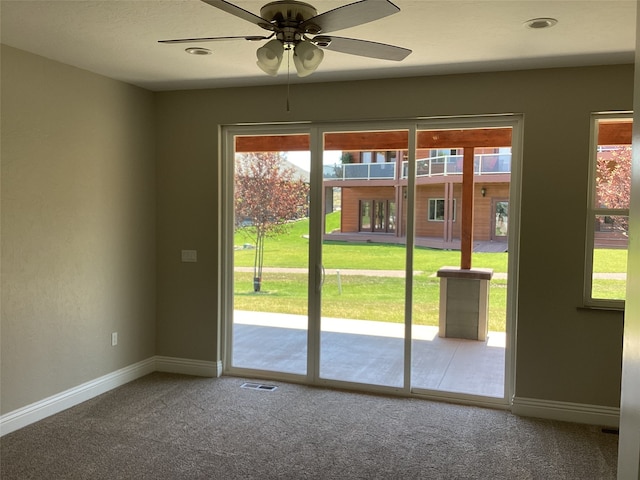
(114, 339)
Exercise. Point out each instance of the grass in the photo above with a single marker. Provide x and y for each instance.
(291, 250)
(378, 298)
(361, 298)
(610, 260)
(606, 289)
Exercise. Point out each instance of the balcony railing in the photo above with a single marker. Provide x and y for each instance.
(483, 164)
(361, 171)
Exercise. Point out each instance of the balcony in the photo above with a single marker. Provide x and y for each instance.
(484, 164)
(360, 171)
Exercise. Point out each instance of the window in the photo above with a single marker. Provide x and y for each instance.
(608, 211)
(437, 210)
(377, 216)
(378, 156)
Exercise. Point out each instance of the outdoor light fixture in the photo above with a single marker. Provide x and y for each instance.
(483, 191)
(270, 57)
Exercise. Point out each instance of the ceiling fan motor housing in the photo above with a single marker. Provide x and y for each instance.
(287, 15)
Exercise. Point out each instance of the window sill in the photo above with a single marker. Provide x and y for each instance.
(607, 308)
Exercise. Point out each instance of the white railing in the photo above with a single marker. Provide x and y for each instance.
(361, 171)
(484, 164)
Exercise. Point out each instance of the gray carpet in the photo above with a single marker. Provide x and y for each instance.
(166, 426)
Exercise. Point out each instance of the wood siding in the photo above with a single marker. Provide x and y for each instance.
(351, 204)
(483, 222)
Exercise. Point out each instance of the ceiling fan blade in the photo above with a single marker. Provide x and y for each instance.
(349, 15)
(251, 38)
(239, 12)
(363, 48)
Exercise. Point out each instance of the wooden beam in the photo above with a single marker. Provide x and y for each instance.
(466, 234)
(357, 141)
(615, 133)
(472, 137)
(383, 141)
(272, 143)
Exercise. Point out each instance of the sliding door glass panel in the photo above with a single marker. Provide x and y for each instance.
(460, 260)
(363, 257)
(271, 253)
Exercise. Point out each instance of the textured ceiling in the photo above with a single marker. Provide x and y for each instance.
(118, 38)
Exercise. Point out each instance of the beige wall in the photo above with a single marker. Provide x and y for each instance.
(564, 353)
(86, 161)
(78, 227)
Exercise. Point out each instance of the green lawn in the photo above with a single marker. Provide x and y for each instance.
(609, 260)
(291, 250)
(377, 298)
(361, 297)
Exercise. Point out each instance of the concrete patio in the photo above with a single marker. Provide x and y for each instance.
(371, 352)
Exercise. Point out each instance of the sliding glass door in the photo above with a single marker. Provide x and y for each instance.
(270, 176)
(462, 178)
(341, 242)
(364, 258)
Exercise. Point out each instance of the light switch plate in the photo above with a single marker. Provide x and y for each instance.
(189, 255)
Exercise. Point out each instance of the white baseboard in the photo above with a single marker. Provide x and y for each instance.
(57, 403)
(200, 368)
(530, 407)
(24, 416)
(566, 411)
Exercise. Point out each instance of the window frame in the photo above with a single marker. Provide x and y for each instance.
(593, 211)
(444, 208)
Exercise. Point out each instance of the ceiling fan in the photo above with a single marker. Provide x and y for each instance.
(297, 26)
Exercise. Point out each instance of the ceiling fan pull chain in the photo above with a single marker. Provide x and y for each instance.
(288, 77)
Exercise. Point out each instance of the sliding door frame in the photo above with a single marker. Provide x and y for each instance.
(226, 292)
(516, 123)
(316, 133)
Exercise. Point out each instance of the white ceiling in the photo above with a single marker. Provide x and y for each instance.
(118, 38)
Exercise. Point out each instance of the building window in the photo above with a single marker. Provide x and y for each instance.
(378, 156)
(608, 211)
(437, 209)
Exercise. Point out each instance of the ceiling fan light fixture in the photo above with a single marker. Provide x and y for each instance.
(307, 57)
(270, 57)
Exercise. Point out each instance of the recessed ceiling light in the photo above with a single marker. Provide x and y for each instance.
(198, 51)
(541, 22)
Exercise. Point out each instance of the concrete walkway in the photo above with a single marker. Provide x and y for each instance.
(395, 273)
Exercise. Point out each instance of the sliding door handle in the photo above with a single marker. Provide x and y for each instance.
(320, 274)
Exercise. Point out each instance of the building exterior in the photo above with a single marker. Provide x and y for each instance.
(371, 189)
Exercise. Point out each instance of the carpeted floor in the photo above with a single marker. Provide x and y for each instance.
(166, 426)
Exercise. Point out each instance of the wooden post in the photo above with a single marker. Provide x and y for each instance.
(466, 235)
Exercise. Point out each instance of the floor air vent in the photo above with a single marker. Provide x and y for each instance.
(258, 386)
